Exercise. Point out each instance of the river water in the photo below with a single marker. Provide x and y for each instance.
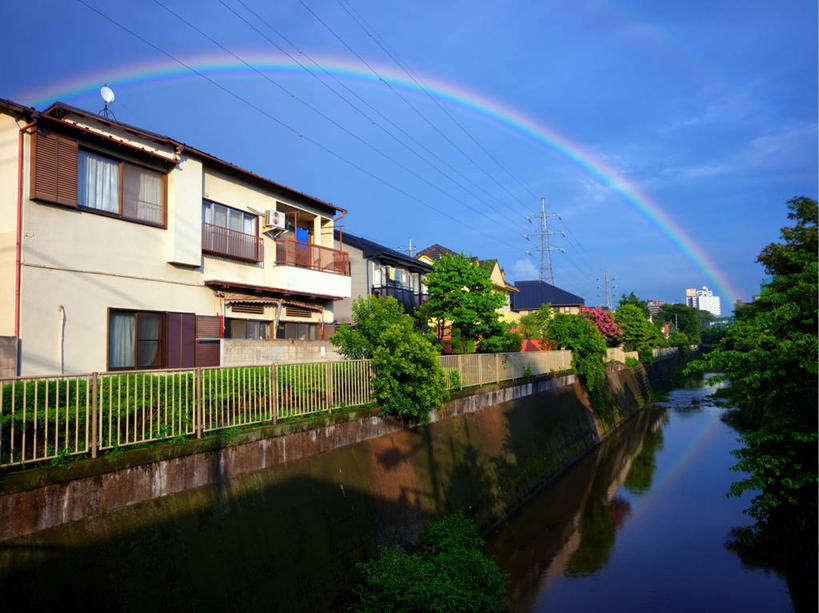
(641, 524)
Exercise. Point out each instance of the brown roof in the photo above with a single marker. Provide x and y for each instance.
(434, 252)
(59, 110)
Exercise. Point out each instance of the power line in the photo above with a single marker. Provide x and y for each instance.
(369, 118)
(407, 102)
(272, 117)
(367, 29)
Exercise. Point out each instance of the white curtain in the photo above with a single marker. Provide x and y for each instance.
(98, 182)
(121, 335)
(150, 197)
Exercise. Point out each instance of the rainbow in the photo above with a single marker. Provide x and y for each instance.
(143, 75)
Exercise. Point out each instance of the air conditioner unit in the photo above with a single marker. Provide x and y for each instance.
(274, 220)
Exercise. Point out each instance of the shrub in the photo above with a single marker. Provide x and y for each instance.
(449, 572)
(408, 381)
(638, 333)
(588, 351)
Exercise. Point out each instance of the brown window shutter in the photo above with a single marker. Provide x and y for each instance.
(53, 168)
(67, 153)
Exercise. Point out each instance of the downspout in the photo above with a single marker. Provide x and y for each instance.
(19, 247)
(61, 332)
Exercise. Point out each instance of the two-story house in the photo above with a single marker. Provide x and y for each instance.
(124, 249)
(534, 294)
(492, 268)
(380, 271)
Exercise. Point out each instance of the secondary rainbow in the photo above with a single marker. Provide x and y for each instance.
(144, 75)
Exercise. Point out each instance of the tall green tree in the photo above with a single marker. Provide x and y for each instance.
(638, 333)
(633, 299)
(462, 297)
(685, 318)
(408, 381)
(769, 356)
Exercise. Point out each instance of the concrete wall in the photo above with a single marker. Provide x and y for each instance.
(245, 352)
(8, 356)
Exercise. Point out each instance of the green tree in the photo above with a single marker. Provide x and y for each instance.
(462, 297)
(534, 325)
(769, 356)
(638, 333)
(408, 381)
(633, 299)
(588, 348)
(685, 318)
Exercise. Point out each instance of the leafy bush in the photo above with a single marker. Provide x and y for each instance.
(502, 342)
(638, 333)
(408, 381)
(680, 341)
(588, 351)
(449, 572)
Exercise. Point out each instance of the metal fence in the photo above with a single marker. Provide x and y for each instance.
(483, 368)
(50, 418)
(55, 417)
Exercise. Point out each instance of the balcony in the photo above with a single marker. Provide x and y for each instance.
(219, 240)
(290, 252)
(409, 298)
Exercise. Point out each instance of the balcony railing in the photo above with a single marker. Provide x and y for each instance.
(410, 299)
(230, 243)
(308, 255)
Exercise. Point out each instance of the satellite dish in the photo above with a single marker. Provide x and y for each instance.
(107, 94)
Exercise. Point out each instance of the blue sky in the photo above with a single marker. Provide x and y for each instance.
(708, 110)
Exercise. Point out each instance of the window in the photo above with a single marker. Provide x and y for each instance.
(63, 173)
(294, 330)
(135, 339)
(230, 232)
(141, 198)
(246, 328)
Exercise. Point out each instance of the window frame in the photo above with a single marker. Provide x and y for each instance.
(120, 188)
(163, 339)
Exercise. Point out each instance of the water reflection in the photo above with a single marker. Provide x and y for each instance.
(640, 523)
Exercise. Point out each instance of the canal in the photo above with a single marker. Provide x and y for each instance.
(640, 524)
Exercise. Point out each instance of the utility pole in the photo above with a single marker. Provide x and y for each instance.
(544, 234)
(410, 247)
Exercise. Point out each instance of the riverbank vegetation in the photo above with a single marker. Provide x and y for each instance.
(448, 573)
(408, 381)
(770, 358)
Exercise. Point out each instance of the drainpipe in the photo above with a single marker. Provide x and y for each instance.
(19, 247)
(61, 333)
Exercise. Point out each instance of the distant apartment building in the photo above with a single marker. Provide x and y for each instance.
(654, 306)
(691, 297)
(707, 301)
(123, 249)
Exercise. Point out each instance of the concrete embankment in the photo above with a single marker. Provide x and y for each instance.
(278, 518)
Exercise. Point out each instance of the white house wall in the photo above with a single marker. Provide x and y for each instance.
(185, 213)
(8, 221)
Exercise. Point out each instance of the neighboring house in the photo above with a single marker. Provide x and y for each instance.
(124, 249)
(496, 275)
(534, 294)
(380, 271)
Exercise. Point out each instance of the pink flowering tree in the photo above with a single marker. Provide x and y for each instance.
(605, 323)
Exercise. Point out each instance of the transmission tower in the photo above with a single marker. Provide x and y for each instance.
(543, 234)
(609, 281)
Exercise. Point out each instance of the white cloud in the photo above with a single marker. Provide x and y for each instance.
(522, 270)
